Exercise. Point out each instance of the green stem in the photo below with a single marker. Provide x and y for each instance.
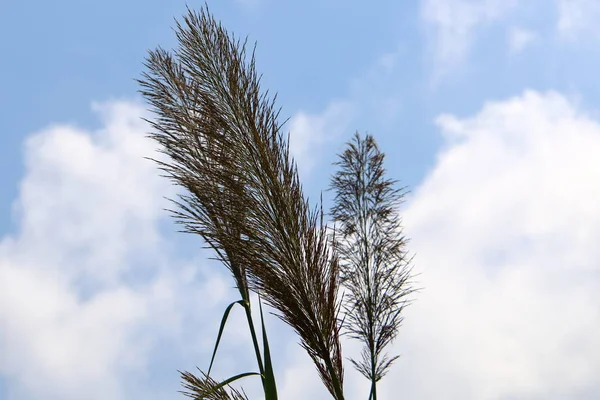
(373, 377)
(254, 338)
(373, 395)
(337, 388)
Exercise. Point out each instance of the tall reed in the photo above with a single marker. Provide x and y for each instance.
(242, 195)
(374, 264)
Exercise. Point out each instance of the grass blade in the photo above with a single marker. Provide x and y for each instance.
(269, 375)
(221, 328)
(232, 379)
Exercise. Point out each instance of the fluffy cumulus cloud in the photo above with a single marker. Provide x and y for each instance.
(85, 287)
(452, 26)
(93, 297)
(505, 228)
(94, 301)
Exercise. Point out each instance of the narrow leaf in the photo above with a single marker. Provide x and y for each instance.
(269, 379)
(231, 380)
(223, 321)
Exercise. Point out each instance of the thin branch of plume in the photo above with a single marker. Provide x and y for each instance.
(242, 192)
(374, 265)
(205, 388)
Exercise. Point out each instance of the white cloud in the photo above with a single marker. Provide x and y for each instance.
(312, 131)
(453, 26)
(519, 39)
(89, 285)
(505, 228)
(378, 99)
(87, 188)
(299, 380)
(85, 287)
(578, 17)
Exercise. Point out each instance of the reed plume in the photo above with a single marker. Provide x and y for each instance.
(242, 194)
(374, 265)
(206, 388)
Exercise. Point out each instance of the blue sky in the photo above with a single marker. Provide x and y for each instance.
(488, 110)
